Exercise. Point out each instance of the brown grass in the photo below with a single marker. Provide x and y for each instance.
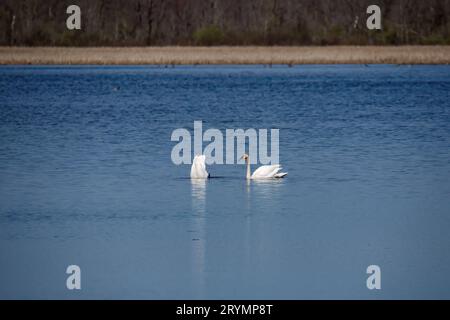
(227, 55)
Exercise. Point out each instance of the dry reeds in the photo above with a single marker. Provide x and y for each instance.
(226, 55)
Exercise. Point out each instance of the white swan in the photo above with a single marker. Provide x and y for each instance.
(264, 172)
(198, 169)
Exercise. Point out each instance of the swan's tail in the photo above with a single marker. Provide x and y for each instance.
(198, 169)
(281, 175)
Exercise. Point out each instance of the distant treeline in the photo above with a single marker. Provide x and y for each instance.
(223, 22)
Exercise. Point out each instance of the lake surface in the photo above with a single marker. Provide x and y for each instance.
(86, 178)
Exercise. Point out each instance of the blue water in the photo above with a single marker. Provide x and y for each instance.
(86, 178)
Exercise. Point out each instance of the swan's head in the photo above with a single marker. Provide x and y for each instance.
(245, 157)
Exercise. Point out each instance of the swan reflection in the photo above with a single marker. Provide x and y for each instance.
(267, 188)
(198, 193)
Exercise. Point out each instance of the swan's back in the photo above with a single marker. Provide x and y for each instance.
(268, 171)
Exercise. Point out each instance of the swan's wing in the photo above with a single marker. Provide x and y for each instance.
(198, 169)
(202, 161)
(197, 172)
(268, 171)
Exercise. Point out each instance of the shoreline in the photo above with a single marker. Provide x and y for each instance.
(224, 55)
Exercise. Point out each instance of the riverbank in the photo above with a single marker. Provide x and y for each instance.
(226, 55)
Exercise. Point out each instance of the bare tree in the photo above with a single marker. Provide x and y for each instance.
(270, 22)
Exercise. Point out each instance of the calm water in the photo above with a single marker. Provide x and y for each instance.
(86, 178)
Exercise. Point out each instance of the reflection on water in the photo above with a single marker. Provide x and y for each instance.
(266, 188)
(198, 193)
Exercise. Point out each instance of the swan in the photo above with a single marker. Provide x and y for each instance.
(198, 169)
(264, 172)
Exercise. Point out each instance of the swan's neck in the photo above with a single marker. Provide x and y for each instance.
(248, 169)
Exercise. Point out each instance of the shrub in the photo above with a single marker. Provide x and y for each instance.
(208, 36)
